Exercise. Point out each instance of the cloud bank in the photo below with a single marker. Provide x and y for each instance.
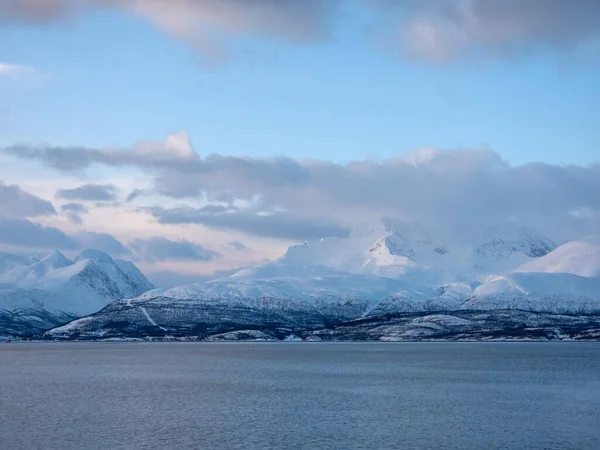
(100, 241)
(16, 202)
(429, 30)
(91, 192)
(208, 25)
(162, 249)
(74, 211)
(17, 231)
(279, 225)
(443, 30)
(293, 199)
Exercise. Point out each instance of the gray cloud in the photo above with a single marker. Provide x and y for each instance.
(454, 188)
(162, 249)
(237, 246)
(73, 212)
(22, 232)
(442, 30)
(36, 11)
(136, 193)
(167, 279)
(91, 192)
(76, 208)
(16, 202)
(205, 174)
(182, 173)
(74, 218)
(208, 24)
(276, 225)
(299, 199)
(100, 241)
(431, 30)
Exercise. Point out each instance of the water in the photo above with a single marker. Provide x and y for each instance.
(300, 396)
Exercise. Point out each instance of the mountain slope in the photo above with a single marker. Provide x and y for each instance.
(282, 299)
(576, 257)
(39, 292)
(385, 269)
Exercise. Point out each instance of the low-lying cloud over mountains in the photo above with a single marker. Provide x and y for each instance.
(296, 199)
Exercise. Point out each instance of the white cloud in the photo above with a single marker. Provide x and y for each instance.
(177, 146)
(15, 71)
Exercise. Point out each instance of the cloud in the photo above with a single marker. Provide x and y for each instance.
(184, 174)
(74, 218)
(136, 193)
(91, 192)
(302, 199)
(162, 249)
(167, 278)
(208, 25)
(22, 232)
(15, 70)
(73, 211)
(76, 208)
(34, 11)
(429, 30)
(237, 246)
(444, 30)
(100, 241)
(275, 225)
(167, 154)
(16, 202)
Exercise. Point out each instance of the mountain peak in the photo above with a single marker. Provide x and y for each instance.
(96, 256)
(56, 258)
(394, 244)
(501, 242)
(580, 257)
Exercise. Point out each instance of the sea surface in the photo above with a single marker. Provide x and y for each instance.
(300, 396)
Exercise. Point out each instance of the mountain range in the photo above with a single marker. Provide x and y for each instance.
(390, 275)
(38, 292)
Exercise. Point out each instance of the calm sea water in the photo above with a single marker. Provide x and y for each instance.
(300, 396)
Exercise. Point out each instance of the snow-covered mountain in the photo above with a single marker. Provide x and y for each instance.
(382, 270)
(409, 251)
(41, 291)
(581, 257)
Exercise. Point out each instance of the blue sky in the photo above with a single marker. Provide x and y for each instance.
(111, 79)
(269, 122)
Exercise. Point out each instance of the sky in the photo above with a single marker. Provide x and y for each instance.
(194, 136)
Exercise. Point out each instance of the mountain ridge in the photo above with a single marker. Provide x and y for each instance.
(48, 288)
(387, 268)
(330, 282)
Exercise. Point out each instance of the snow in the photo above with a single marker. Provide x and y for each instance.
(441, 319)
(150, 318)
(385, 267)
(580, 257)
(53, 283)
(392, 266)
(27, 270)
(551, 292)
(96, 256)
